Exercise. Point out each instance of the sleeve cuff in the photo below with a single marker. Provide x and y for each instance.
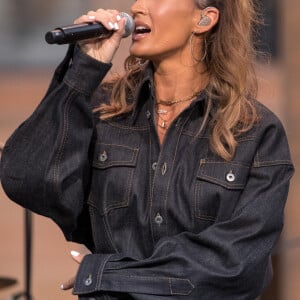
(89, 276)
(85, 73)
(100, 273)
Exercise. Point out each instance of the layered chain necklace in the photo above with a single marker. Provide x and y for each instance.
(162, 114)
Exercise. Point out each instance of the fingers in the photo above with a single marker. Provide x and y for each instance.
(110, 19)
(68, 284)
(103, 48)
(78, 257)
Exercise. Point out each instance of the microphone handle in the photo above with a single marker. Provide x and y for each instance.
(72, 33)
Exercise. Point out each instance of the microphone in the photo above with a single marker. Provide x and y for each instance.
(72, 33)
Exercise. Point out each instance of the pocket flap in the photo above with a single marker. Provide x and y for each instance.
(227, 174)
(111, 155)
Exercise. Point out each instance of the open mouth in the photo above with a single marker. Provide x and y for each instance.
(142, 30)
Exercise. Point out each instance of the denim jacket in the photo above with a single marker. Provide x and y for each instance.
(171, 221)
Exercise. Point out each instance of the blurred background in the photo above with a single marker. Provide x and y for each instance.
(26, 67)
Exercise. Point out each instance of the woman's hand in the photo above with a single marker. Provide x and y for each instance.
(78, 257)
(103, 49)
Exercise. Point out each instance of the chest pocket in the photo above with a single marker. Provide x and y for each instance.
(113, 169)
(217, 190)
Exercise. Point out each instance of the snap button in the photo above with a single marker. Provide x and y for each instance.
(103, 156)
(154, 166)
(148, 114)
(164, 169)
(88, 281)
(158, 219)
(230, 177)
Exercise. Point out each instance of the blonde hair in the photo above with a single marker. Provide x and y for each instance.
(230, 67)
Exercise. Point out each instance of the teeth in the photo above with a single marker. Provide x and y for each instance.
(141, 28)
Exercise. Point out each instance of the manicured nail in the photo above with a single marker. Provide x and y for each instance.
(118, 18)
(75, 253)
(61, 286)
(111, 25)
(92, 17)
(116, 26)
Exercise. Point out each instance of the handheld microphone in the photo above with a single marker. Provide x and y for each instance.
(72, 33)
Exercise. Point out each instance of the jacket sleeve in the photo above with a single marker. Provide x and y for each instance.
(230, 260)
(52, 146)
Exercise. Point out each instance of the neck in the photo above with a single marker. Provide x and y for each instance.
(173, 81)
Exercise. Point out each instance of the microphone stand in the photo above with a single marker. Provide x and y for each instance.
(28, 246)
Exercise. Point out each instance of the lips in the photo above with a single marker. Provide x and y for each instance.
(141, 30)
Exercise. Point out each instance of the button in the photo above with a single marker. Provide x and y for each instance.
(103, 156)
(230, 177)
(88, 281)
(158, 219)
(148, 114)
(164, 169)
(154, 166)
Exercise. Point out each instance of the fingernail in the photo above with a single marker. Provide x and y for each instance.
(75, 253)
(61, 286)
(92, 17)
(116, 26)
(118, 18)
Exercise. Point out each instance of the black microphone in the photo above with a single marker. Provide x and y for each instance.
(72, 33)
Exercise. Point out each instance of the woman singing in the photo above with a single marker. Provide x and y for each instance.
(172, 174)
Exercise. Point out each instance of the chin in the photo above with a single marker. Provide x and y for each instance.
(140, 52)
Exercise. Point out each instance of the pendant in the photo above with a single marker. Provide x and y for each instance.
(163, 125)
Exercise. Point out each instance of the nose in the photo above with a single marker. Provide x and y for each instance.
(138, 7)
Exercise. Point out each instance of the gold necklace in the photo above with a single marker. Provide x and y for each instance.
(170, 102)
(163, 124)
(164, 112)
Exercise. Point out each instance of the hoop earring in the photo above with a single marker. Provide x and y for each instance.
(192, 49)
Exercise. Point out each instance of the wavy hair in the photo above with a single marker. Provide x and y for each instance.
(230, 57)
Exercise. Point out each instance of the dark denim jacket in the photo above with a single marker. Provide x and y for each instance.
(163, 222)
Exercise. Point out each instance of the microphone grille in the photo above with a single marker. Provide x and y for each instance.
(129, 25)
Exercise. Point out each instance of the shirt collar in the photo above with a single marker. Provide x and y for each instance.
(145, 91)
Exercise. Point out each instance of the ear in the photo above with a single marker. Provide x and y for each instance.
(208, 18)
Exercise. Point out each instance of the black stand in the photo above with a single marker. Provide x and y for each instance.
(28, 242)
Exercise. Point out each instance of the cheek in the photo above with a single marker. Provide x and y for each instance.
(171, 25)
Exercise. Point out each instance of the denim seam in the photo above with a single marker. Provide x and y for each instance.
(74, 87)
(116, 125)
(182, 293)
(171, 171)
(56, 168)
(109, 234)
(105, 227)
(235, 163)
(271, 163)
(196, 196)
(232, 186)
(122, 204)
(159, 278)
